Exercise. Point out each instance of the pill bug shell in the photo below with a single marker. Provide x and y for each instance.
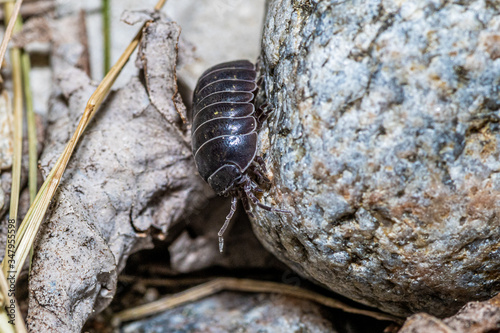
(224, 133)
(224, 137)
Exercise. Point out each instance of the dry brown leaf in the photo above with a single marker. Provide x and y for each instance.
(132, 171)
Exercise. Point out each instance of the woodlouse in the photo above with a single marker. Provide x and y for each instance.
(224, 134)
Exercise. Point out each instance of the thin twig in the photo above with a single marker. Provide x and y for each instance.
(243, 285)
(10, 28)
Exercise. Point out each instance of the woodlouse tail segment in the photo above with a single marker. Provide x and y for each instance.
(234, 201)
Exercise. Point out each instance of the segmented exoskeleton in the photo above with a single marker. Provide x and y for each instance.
(224, 134)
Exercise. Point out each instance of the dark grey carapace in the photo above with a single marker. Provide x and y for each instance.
(224, 134)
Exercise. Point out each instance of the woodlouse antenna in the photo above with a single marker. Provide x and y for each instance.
(234, 201)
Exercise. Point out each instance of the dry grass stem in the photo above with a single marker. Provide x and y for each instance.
(12, 14)
(33, 8)
(160, 4)
(84, 61)
(29, 227)
(17, 132)
(11, 11)
(19, 323)
(4, 293)
(5, 327)
(243, 285)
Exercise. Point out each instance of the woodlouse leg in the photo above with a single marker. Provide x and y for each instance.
(254, 187)
(255, 200)
(248, 191)
(246, 205)
(234, 201)
(261, 178)
(258, 190)
(261, 163)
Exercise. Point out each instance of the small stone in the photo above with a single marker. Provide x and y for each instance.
(234, 312)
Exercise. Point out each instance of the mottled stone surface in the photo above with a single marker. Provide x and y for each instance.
(474, 317)
(233, 312)
(385, 145)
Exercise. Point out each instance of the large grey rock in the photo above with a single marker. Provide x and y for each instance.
(384, 144)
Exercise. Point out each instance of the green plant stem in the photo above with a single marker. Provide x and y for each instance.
(32, 139)
(107, 34)
(30, 117)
